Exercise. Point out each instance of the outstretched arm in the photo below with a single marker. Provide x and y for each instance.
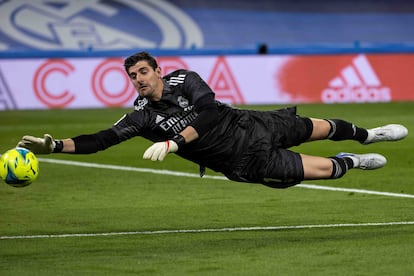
(45, 145)
(82, 144)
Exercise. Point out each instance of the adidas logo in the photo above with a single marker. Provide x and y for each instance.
(176, 80)
(159, 118)
(357, 82)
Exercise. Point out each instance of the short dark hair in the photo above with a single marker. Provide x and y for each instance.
(133, 59)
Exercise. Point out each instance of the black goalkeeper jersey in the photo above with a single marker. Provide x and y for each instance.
(184, 94)
(244, 145)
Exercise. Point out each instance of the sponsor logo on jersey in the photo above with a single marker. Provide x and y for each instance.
(357, 82)
(159, 119)
(177, 122)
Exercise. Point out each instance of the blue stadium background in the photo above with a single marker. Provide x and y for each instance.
(226, 27)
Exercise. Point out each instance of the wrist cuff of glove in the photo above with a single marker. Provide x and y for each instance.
(179, 140)
(58, 146)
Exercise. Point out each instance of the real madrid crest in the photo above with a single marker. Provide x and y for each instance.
(182, 102)
(140, 103)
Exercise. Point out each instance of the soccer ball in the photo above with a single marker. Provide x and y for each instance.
(19, 167)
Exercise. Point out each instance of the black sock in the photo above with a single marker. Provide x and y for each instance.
(343, 130)
(340, 166)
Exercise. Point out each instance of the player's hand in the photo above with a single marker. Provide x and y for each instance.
(38, 145)
(159, 150)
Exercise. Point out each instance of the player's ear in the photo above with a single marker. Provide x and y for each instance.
(158, 71)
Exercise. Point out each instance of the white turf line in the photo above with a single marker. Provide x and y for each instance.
(230, 229)
(194, 175)
(210, 230)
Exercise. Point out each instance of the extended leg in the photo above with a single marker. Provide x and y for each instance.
(338, 130)
(315, 167)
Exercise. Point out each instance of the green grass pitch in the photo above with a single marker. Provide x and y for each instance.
(68, 199)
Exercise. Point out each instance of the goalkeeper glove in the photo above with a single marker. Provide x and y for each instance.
(38, 145)
(159, 150)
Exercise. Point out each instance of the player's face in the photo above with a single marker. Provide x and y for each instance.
(146, 80)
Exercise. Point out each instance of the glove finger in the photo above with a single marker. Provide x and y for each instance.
(160, 151)
(31, 139)
(155, 153)
(148, 153)
(23, 144)
(27, 141)
(48, 140)
(159, 154)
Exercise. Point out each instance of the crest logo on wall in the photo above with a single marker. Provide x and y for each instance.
(95, 24)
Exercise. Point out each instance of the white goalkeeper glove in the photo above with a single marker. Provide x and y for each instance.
(38, 145)
(159, 150)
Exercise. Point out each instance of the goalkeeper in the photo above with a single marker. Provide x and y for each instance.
(179, 113)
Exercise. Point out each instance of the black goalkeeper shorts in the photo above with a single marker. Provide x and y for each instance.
(267, 158)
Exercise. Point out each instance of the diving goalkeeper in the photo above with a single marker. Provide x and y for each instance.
(179, 114)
